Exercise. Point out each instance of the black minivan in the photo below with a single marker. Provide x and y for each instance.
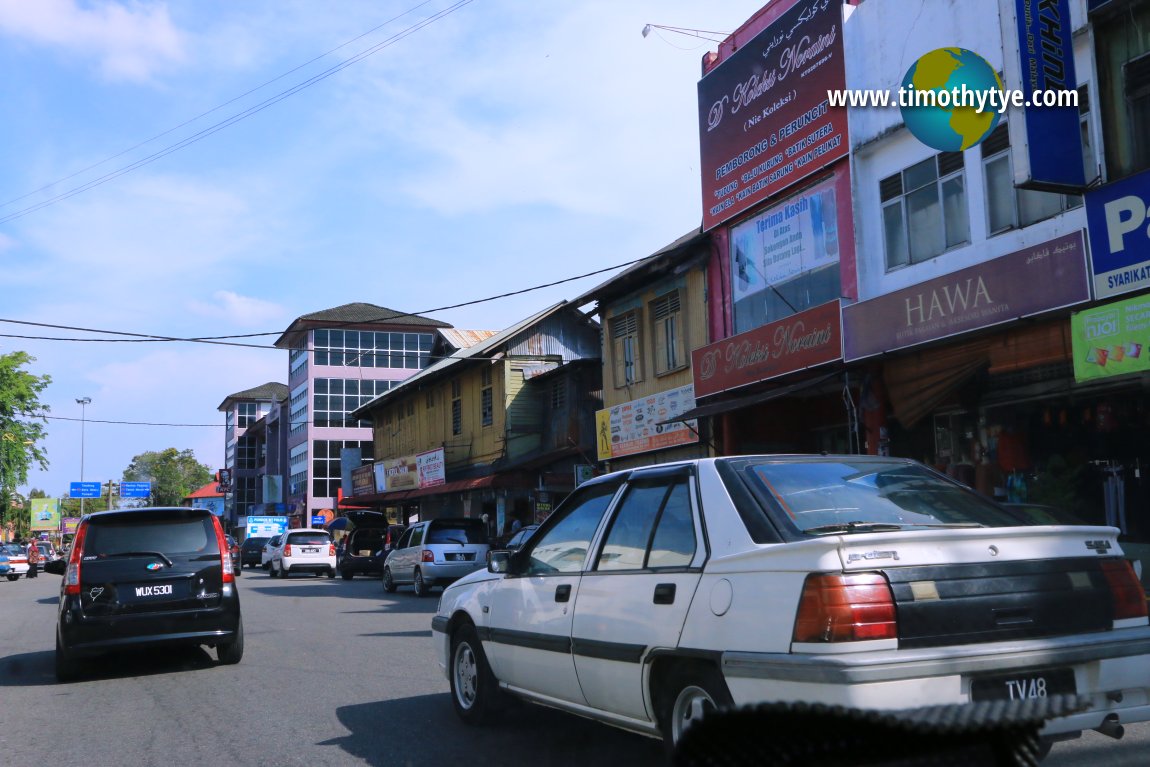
(147, 578)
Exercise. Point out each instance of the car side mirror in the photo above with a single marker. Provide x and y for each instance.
(499, 562)
(56, 566)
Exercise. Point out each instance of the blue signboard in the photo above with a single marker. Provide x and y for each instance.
(317, 520)
(1046, 136)
(84, 490)
(266, 527)
(135, 489)
(1117, 216)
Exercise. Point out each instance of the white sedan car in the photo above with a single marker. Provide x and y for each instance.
(654, 595)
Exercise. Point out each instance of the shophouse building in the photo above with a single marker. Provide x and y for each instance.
(241, 475)
(340, 359)
(499, 429)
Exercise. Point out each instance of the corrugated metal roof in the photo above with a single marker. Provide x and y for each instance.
(472, 352)
(263, 392)
(668, 255)
(465, 339)
(207, 491)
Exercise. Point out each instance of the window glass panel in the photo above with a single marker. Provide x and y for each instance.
(925, 222)
(563, 547)
(895, 231)
(336, 339)
(999, 193)
(920, 174)
(321, 358)
(626, 544)
(674, 543)
(321, 339)
(954, 211)
(1035, 206)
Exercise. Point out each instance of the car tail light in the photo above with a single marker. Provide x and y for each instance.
(287, 550)
(838, 607)
(72, 572)
(428, 555)
(225, 556)
(331, 549)
(1129, 598)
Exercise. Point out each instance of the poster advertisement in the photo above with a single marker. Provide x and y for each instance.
(635, 426)
(44, 513)
(431, 465)
(1111, 340)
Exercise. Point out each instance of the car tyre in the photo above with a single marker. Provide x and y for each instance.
(67, 667)
(330, 573)
(690, 694)
(474, 692)
(419, 586)
(388, 581)
(283, 572)
(230, 653)
(347, 575)
(13, 576)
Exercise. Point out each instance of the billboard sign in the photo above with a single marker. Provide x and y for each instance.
(266, 527)
(432, 468)
(764, 118)
(135, 489)
(44, 514)
(1111, 340)
(84, 490)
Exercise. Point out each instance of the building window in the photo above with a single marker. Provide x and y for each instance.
(327, 467)
(335, 398)
(249, 413)
(297, 479)
(372, 349)
(924, 210)
(670, 348)
(1008, 207)
(456, 407)
(246, 494)
(1122, 48)
(298, 412)
(247, 454)
(625, 344)
(297, 358)
(558, 394)
(486, 410)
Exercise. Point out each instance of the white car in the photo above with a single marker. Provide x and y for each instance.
(267, 551)
(654, 595)
(304, 550)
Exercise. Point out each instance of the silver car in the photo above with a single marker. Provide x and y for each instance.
(436, 553)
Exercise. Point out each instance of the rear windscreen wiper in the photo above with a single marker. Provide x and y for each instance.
(853, 527)
(155, 554)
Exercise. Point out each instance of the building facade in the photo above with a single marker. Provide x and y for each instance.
(242, 452)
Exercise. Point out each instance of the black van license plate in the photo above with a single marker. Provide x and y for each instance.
(152, 592)
(1024, 685)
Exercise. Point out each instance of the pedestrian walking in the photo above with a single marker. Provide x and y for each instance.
(33, 559)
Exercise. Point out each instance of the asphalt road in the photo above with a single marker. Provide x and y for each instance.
(334, 673)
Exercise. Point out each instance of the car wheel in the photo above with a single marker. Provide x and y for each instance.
(271, 571)
(231, 652)
(388, 583)
(283, 572)
(420, 588)
(347, 575)
(330, 572)
(690, 695)
(474, 692)
(67, 668)
(13, 576)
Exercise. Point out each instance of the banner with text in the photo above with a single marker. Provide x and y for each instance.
(44, 513)
(1111, 340)
(634, 427)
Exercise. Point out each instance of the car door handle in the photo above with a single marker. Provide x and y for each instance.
(665, 594)
(563, 593)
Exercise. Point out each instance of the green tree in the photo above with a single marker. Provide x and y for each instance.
(173, 474)
(21, 432)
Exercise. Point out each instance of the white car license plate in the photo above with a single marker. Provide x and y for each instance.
(1024, 685)
(311, 549)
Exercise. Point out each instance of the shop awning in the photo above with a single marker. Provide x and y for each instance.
(920, 382)
(458, 486)
(747, 400)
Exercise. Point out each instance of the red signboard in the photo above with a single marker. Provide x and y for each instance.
(800, 341)
(764, 118)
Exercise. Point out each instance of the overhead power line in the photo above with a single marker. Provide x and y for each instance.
(223, 340)
(202, 134)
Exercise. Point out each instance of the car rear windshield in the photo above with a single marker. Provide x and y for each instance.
(169, 534)
(299, 539)
(254, 543)
(460, 531)
(841, 495)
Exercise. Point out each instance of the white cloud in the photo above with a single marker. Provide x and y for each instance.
(243, 311)
(130, 41)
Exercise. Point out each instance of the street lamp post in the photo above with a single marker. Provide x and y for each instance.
(83, 402)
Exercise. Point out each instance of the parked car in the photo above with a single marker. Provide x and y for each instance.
(516, 541)
(436, 553)
(363, 544)
(151, 577)
(234, 552)
(653, 595)
(269, 549)
(5, 568)
(251, 551)
(47, 553)
(17, 560)
(304, 550)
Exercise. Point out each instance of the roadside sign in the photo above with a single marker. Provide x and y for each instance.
(84, 490)
(318, 520)
(135, 489)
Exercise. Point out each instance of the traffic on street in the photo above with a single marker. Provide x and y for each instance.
(335, 673)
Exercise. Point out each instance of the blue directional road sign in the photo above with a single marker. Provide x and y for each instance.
(84, 490)
(135, 489)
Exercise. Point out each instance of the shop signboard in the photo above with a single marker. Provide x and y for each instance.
(1037, 279)
(804, 340)
(265, 527)
(400, 474)
(44, 513)
(764, 118)
(1117, 216)
(363, 480)
(639, 426)
(432, 468)
(1111, 340)
(70, 525)
(1038, 55)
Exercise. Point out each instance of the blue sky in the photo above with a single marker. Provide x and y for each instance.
(502, 146)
